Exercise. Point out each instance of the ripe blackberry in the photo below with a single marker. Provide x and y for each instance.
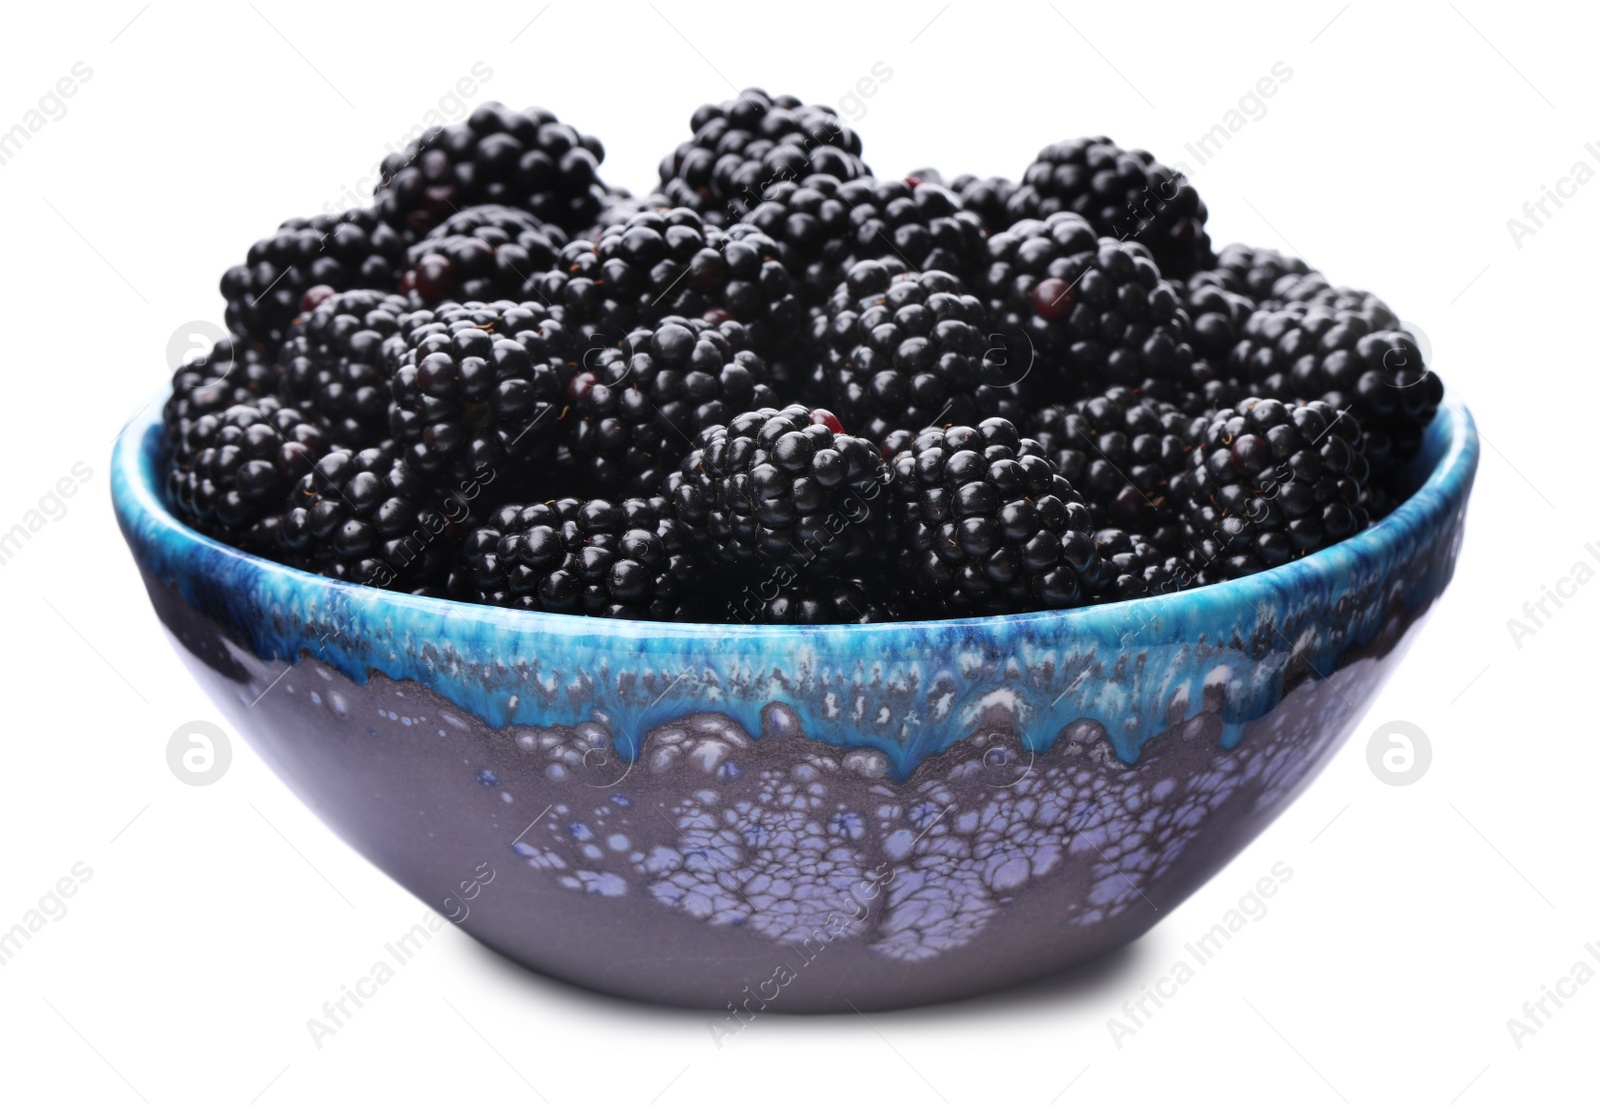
(910, 350)
(636, 406)
(1217, 317)
(826, 227)
(1119, 450)
(923, 225)
(1095, 310)
(851, 601)
(784, 490)
(743, 147)
(333, 364)
(235, 469)
(986, 524)
(1124, 194)
(353, 250)
(988, 198)
(1136, 566)
(1250, 271)
(1314, 291)
(479, 388)
(366, 516)
(231, 372)
(671, 263)
(1217, 321)
(1270, 482)
(621, 206)
(529, 160)
(1350, 358)
(628, 559)
(486, 253)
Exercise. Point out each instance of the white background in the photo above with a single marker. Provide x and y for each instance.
(219, 919)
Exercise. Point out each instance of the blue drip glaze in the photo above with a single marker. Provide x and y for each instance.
(907, 689)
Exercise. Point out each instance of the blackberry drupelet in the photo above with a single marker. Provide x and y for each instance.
(367, 516)
(235, 468)
(266, 292)
(1095, 310)
(1251, 271)
(637, 406)
(628, 559)
(785, 491)
(909, 350)
(486, 253)
(1124, 194)
(670, 263)
(743, 147)
(529, 160)
(1349, 358)
(478, 389)
(333, 364)
(1270, 482)
(986, 524)
(1119, 450)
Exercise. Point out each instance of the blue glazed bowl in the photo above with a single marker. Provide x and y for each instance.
(801, 818)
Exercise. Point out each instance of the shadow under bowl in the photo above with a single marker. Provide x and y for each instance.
(801, 818)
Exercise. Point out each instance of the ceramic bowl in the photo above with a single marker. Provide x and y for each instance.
(801, 818)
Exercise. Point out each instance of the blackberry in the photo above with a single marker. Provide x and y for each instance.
(851, 601)
(784, 490)
(910, 350)
(1351, 357)
(986, 524)
(1217, 321)
(333, 364)
(923, 225)
(1096, 310)
(1124, 194)
(670, 263)
(366, 516)
(825, 227)
(231, 372)
(1270, 482)
(743, 147)
(1314, 291)
(1217, 318)
(1119, 450)
(529, 160)
(1250, 271)
(988, 198)
(626, 559)
(353, 250)
(621, 206)
(478, 388)
(637, 406)
(236, 468)
(1136, 566)
(489, 252)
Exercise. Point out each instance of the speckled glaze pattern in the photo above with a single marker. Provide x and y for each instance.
(802, 818)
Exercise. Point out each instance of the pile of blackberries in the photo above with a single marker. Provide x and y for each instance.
(778, 389)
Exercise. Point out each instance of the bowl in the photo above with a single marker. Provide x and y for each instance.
(801, 818)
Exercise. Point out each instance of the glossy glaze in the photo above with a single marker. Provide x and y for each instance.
(888, 814)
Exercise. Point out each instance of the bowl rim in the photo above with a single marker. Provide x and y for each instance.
(157, 536)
